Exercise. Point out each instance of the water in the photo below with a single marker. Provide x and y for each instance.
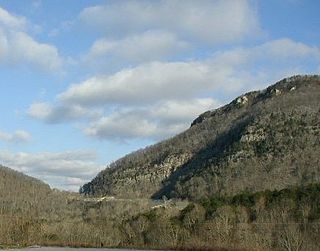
(73, 249)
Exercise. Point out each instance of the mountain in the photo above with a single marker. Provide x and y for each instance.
(20, 195)
(267, 139)
(18, 186)
(251, 169)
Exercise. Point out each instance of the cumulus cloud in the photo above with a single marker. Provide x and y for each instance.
(11, 21)
(159, 121)
(17, 47)
(286, 49)
(283, 49)
(275, 52)
(155, 81)
(148, 46)
(65, 183)
(159, 99)
(60, 113)
(64, 170)
(215, 21)
(267, 62)
(19, 136)
(148, 83)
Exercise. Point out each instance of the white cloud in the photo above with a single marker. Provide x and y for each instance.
(147, 83)
(123, 125)
(270, 61)
(285, 49)
(224, 71)
(159, 121)
(64, 182)
(215, 21)
(19, 136)
(11, 21)
(150, 45)
(61, 169)
(184, 111)
(60, 113)
(19, 48)
(152, 98)
(24, 48)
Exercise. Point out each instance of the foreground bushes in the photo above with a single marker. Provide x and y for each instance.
(269, 220)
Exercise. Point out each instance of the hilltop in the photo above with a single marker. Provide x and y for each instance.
(16, 186)
(261, 140)
(249, 172)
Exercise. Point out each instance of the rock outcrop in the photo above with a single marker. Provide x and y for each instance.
(267, 139)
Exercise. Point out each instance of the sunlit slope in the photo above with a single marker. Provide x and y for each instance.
(267, 139)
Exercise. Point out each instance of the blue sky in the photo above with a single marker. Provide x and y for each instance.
(86, 82)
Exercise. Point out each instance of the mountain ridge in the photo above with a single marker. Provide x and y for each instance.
(209, 157)
(12, 180)
(250, 174)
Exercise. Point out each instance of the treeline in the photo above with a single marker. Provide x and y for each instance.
(261, 140)
(287, 219)
(222, 167)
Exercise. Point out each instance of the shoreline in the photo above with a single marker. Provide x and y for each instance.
(189, 248)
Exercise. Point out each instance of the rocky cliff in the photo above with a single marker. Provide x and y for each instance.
(267, 139)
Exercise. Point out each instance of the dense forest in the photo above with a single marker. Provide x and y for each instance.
(243, 177)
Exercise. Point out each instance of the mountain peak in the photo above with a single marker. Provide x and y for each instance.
(281, 87)
(261, 140)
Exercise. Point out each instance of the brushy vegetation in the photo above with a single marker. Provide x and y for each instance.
(287, 219)
(243, 177)
(298, 196)
(267, 139)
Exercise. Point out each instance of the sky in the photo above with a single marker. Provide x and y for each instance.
(84, 82)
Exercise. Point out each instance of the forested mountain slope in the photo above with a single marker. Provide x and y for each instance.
(16, 186)
(235, 163)
(267, 139)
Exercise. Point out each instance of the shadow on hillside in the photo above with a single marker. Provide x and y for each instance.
(214, 151)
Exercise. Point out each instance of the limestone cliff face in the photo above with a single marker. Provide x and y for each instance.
(137, 181)
(267, 139)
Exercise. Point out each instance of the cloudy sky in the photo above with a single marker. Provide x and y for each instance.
(84, 82)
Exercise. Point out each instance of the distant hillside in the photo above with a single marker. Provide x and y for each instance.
(267, 139)
(16, 185)
(248, 167)
(19, 192)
